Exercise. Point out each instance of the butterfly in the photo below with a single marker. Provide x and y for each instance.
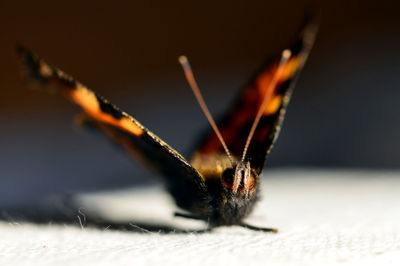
(219, 183)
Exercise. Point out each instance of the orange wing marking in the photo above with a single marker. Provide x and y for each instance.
(88, 101)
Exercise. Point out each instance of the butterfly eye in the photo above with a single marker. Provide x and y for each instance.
(252, 181)
(227, 177)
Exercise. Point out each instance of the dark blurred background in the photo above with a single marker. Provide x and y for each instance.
(344, 112)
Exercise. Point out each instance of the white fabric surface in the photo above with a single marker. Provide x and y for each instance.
(324, 218)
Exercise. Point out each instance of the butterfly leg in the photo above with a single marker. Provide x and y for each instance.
(189, 216)
(256, 228)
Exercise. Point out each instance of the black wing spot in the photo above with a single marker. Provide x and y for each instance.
(108, 108)
(32, 63)
(39, 70)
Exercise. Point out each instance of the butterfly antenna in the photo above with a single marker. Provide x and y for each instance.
(284, 58)
(195, 88)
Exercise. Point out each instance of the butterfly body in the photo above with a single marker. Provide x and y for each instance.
(232, 208)
(224, 206)
(216, 186)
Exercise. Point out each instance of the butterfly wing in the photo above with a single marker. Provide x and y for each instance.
(183, 181)
(236, 123)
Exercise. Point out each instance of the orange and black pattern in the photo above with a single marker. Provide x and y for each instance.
(198, 187)
(183, 181)
(236, 123)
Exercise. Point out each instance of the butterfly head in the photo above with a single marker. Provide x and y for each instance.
(240, 179)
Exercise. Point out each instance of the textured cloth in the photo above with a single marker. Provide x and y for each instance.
(324, 218)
